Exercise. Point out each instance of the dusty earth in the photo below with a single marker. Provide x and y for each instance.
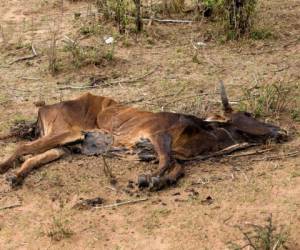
(243, 190)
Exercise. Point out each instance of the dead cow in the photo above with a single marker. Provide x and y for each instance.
(171, 137)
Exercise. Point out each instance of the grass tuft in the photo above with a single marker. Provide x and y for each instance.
(266, 237)
(270, 100)
(59, 229)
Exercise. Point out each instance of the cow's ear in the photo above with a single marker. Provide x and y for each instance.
(217, 118)
(226, 106)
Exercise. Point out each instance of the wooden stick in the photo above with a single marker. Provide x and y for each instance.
(30, 78)
(70, 40)
(226, 151)
(277, 157)
(10, 206)
(251, 153)
(26, 57)
(117, 204)
(33, 50)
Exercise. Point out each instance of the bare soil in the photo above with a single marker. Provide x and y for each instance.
(244, 190)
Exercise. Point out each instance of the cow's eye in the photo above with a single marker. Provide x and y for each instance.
(248, 114)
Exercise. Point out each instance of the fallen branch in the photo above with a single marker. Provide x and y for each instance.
(277, 157)
(68, 39)
(117, 204)
(226, 151)
(34, 54)
(10, 206)
(30, 78)
(256, 152)
(110, 83)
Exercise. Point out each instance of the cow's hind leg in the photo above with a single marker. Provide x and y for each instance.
(35, 161)
(40, 146)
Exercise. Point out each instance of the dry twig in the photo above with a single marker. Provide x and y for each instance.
(10, 206)
(256, 152)
(278, 157)
(34, 54)
(117, 204)
(226, 151)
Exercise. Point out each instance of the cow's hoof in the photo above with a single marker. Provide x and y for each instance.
(4, 167)
(14, 181)
(157, 183)
(143, 181)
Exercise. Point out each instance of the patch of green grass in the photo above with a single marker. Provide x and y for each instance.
(84, 55)
(261, 34)
(269, 100)
(110, 53)
(195, 59)
(90, 29)
(266, 237)
(295, 114)
(20, 117)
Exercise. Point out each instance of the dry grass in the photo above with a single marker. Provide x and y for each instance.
(59, 229)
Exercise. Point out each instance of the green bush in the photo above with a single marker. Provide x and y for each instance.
(236, 16)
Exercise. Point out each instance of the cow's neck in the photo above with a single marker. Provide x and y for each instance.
(227, 136)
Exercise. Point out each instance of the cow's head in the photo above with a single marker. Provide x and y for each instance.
(245, 123)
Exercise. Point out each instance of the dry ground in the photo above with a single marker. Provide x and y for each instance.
(244, 190)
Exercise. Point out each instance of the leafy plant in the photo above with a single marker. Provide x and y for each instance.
(236, 16)
(261, 34)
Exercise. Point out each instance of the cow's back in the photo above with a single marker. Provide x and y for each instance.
(78, 114)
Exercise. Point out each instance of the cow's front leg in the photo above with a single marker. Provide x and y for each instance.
(158, 183)
(162, 145)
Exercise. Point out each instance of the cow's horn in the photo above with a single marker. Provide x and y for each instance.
(224, 98)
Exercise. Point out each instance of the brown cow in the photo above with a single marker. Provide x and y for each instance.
(173, 136)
